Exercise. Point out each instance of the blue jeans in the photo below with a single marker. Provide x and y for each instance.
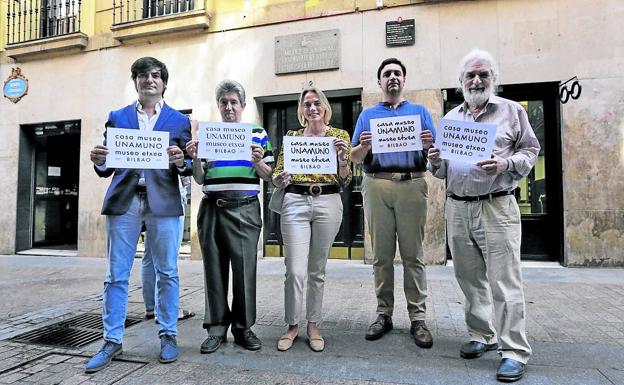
(148, 272)
(122, 235)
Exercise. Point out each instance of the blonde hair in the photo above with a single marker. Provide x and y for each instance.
(322, 99)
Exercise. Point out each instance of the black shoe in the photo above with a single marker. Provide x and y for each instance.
(377, 329)
(510, 370)
(422, 335)
(211, 344)
(247, 339)
(475, 349)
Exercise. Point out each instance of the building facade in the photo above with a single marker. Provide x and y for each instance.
(76, 57)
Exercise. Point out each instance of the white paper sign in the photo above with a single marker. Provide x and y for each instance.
(137, 149)
(310, 155)
(54, 171)
(224, 141)
(396, 134)
(468, 142)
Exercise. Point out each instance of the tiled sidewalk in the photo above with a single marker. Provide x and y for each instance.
(575, 325)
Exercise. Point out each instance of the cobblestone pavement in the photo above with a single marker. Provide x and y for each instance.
(575, 326)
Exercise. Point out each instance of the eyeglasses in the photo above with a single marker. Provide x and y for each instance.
(481, 74)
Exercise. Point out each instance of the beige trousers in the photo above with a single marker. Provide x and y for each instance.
(309, 226)
(484, 238)
(397, 210)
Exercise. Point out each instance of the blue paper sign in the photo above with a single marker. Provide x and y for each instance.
(15, 88)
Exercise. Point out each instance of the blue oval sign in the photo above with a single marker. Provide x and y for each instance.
(15, 88)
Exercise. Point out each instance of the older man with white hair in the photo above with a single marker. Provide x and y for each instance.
(483, 219)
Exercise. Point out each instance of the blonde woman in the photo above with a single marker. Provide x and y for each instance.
(311, 215)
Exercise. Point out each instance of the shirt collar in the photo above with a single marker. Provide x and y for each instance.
(388, 105)
(159, 105)
(493, 100)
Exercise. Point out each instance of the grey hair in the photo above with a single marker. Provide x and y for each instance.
(478, 55)
(228, 85)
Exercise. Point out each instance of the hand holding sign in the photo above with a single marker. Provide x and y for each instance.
(426, 137)
(341, 147)
(191, 148)
(366, 139)
(493, 166)
(257, 153)
(98, 154)
(176, 156)
(434, 156)
(465, 141)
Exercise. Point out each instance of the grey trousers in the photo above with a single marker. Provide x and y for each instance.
(229, 235)
(397, 210)
(309, 226)
(484, 238)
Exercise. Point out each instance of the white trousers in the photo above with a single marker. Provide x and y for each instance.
(309, 226)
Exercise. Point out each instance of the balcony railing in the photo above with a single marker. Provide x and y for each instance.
(39, 19)
(125, 11)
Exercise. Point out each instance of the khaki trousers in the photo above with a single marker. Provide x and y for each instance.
(484, 238)
(309, 226)
(397, 210)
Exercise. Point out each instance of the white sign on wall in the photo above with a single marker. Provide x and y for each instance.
(310, 155)
(396, 134)
(128, 148)
(224, 141)
(465, 141)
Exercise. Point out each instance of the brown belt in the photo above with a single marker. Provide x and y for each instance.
(397, 176)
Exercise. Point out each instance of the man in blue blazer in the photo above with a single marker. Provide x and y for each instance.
(143, 197)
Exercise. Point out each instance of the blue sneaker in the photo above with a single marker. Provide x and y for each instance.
(103, 357)
(168, 349)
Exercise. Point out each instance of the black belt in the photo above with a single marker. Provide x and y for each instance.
(396, 176)
(481, 197)
(234, 202)
(141, 189)
(313, 189)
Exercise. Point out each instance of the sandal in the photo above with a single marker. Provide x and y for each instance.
(286, 342)
(316, 343)
(184, 314)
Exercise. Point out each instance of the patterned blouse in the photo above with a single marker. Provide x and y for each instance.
(318, 178)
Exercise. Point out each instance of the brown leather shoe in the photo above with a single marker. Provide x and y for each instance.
(377, 329)
(421, 334)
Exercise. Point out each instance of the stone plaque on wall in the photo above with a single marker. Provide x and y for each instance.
(310, 51)
(400, 33)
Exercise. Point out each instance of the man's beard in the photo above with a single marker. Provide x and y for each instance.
(477, 97)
